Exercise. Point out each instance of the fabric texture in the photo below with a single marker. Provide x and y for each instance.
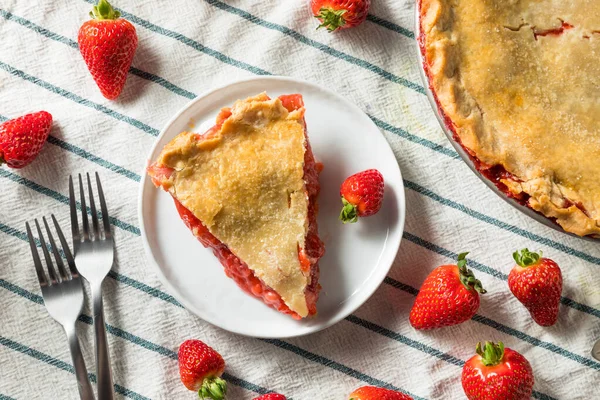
(188, 47)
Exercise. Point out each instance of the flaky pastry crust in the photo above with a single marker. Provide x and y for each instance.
(518, 83)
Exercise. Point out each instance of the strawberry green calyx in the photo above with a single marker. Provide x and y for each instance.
(467, 277)
(213, 388)
(526, 258)
(103, 10)
(349, 212)
(491, 353)
(331, 19)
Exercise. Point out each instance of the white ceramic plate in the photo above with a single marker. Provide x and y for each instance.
(358, 256)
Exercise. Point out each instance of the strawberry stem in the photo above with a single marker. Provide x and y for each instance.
(349, 213)
(103, 10)
(466, 276)
(331, 19)
(526, 258)
(213, 388)
(491, 354)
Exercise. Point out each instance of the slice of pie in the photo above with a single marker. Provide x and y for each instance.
(518, 84)
(247, 189)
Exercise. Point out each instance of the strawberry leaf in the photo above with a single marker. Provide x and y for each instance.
(491, 353)
(466, 276)
(526, 258)
(349, 213)
(331, 19)
(462, 260)
(213, 388)
(103, 10)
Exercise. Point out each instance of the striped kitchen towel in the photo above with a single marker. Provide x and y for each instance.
(190, 46)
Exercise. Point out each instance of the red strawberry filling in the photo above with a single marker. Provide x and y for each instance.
(554, 31)
(235, 268)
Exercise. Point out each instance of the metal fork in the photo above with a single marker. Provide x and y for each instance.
(63, 296)
(94, 255)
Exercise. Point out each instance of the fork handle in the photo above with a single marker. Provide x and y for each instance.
(83, 381)
(103, 371)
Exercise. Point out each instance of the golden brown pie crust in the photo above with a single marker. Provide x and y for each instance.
(520, 83)
(245, 183)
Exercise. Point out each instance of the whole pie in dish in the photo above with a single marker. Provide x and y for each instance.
(247, 189)
(518, 83)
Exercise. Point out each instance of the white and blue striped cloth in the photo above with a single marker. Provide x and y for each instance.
(186, 49)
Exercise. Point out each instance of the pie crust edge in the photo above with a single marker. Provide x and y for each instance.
(464, 118)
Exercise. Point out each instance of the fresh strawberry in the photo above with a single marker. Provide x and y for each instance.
(270, 396)
(375, 393)
(200, 369)
(22, 138)
(497, 373)
(340, 14)
(449, 296)
(107, 44)
(537, 283)
(362, 195)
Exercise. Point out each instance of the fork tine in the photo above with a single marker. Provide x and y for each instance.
(93, 209)
(84, 217)
(36, 258)
(59, 261)
(73, 207)
(66, 250)
(51, 271)
(105, 218)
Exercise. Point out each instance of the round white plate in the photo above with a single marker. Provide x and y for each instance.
(358, 256)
